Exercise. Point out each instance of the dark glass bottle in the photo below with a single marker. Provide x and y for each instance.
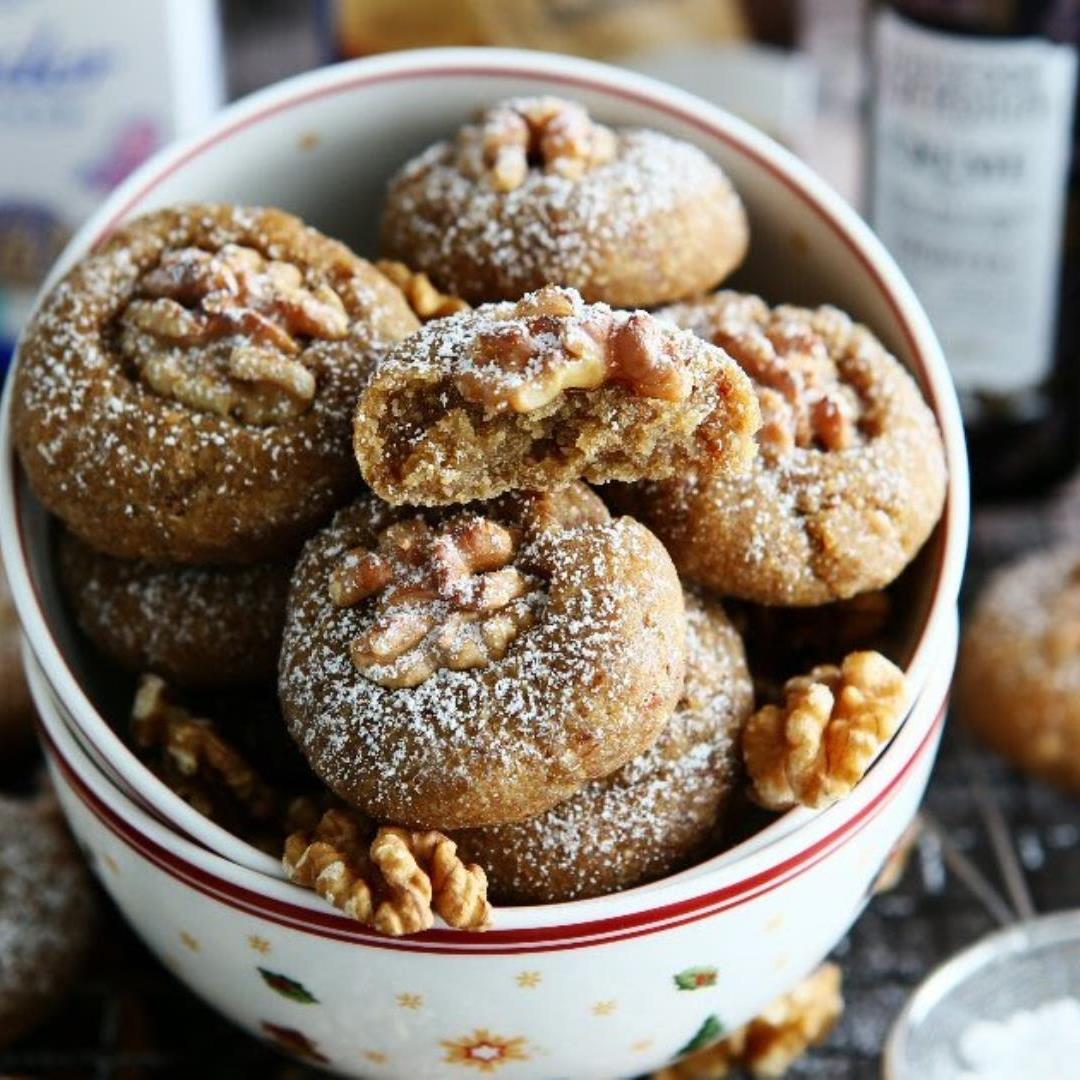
(973, 172)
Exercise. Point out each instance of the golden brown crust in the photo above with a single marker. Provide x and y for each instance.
(653, 815)
(535, 394)
(585, 688)
(1018, 679)
(806, 524)
(141, 472)
(200, 627)
(650, 222)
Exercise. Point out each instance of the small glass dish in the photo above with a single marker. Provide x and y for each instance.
(1021, 967)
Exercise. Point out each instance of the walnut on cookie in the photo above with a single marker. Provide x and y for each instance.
(537, 191)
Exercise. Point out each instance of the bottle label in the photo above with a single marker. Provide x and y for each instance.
(972, 140)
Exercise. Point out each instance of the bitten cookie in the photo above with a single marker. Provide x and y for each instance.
(479, 665)
(1018, 680)
(198, 626)
(537, 192)
(46, 913)
(850, 476)
(535, 394)
(184, 394)
(652, 816)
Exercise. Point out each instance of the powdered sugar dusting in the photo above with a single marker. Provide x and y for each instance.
(652, 814)
(564, 700)
(45, 905)
(550, 227)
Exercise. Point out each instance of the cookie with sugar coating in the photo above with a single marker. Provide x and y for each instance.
(535, 191)
(197, 626)
(849, 479)
(184, 393)
(654, 815)
(47, 913)
(1018, 676)
(478, 665)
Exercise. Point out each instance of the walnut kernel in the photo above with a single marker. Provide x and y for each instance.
(426, 301)
(509, 138)
(552, 343)
(815, 747)
(447, 598)
(220, 332)
(394, 881)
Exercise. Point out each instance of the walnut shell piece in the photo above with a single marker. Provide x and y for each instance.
(537, 191)
(191, 749)
(468, 702)
(773, 1041)
(184, 393)
(814, 748)
(534, 394)
(393, 881)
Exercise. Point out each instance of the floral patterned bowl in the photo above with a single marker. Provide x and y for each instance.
(323, 146)
(609, 987)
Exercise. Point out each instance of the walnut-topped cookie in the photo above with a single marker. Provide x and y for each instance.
(536, 191)
(184, 394)
(534, 394)
(653, 815)
(478, 665)
(1018, 678)
(849, 479)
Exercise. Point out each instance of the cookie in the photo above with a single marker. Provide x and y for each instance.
(1018, 679)
(478, 665)
(850, 475)
(655, 814)
(198, 626)
(184, 394)
(46, 913)
(535, 394)
(16, 708)
(537, 192)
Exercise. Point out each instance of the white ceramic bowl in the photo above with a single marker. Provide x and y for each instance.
(599, 988)
(582, 989)
(323, 146)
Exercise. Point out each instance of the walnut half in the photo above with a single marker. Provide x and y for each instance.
(550, 342)
(815, 747)
(773, 1041)
(441, 598)
(394, 881)
(557, 135)
(221, 332)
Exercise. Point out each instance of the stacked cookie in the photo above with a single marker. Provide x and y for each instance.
(184, 398)
(476, 653)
